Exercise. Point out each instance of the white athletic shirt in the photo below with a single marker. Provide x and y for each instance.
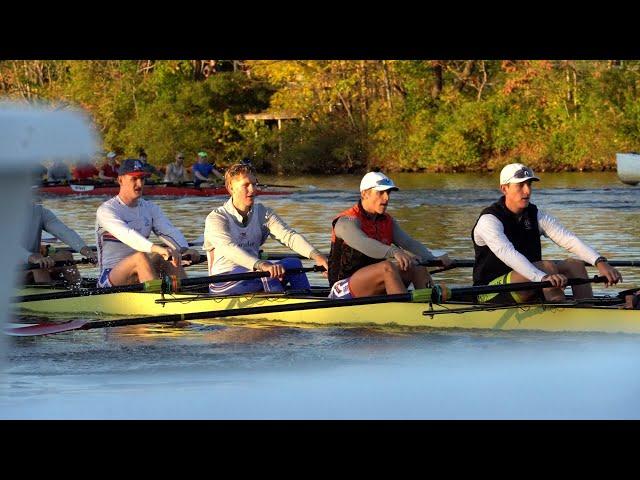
(44, 219)
(237, 244)
(122, 230)
(489, 231)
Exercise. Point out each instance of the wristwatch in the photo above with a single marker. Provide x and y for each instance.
(598, 260)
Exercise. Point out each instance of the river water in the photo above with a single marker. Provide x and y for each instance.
(240, 372)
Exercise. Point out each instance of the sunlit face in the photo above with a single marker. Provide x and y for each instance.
(517, 195)
(375, 201)
(131, 186)
(243, 191)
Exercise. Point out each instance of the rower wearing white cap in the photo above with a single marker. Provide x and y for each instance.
(123, 225)
(109, 169)
(506, 239)
(370, 253)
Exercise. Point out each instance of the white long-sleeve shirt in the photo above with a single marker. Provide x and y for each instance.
(44, 219)
(122, 230)
(229, 241)
(489, 231)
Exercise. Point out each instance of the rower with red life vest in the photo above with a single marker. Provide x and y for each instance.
(108, 171)
(84, 170)
(506, 239)
(123, 225)
(370, 254)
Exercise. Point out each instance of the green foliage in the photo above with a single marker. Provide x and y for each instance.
(435, 115)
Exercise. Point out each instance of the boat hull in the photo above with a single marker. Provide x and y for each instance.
(551, 318)
(149, 191)
(628, 166)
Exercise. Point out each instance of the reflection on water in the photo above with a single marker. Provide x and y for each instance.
(248, 371)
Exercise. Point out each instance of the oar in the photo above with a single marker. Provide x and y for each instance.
(163, 285)
(59, 263)
(277, 186)
(426, 295)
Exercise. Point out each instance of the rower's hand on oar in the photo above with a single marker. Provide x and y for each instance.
(168, 254)
(611, 274)
(404, 260)
(275, 269)
(88, 252)
(445, 260)
(557, 280)
(42, 261)
(321, 261)
(190, 256)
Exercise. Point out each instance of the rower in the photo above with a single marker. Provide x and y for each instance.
(506, 239)
(59, 172)
(176, 172)
(123, 225)
(108, 171)
(85, 170)
(142, 156)
(370, 254)
(205, 173)
(46, 256)
(234, 233)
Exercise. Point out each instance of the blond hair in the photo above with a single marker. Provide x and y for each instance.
(235, 170)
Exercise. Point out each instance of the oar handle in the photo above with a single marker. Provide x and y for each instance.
(231, 277)
(59, 263)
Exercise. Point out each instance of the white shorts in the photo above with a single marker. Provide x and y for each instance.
(341, 290)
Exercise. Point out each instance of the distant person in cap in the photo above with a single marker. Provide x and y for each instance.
(370, 254)
(204, 173)
(175, 172)
(142, 156)
(506, 240)
(108, 171)
(123, 226)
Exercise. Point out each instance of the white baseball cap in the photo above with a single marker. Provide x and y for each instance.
(378, 181)
(516, 173)
(111, 155)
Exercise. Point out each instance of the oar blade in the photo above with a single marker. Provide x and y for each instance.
(32, 330)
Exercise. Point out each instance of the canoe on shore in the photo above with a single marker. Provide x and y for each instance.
(628, 165)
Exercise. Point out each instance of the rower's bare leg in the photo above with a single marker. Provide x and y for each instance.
(574, 268)
(136, 268)
(550, 294)
(377, 279)
(418, 275)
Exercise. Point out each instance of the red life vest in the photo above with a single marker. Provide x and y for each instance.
(109, 171)
(344, 260)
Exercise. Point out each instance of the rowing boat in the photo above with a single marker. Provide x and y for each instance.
(149, 191)
(604, 315)
(628, 166)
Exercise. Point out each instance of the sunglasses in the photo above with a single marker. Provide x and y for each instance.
(522, 173)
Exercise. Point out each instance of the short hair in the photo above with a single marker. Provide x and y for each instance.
(237, 169)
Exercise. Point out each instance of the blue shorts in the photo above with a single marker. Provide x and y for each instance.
(341, 290)
(103, 281)
(295, 281)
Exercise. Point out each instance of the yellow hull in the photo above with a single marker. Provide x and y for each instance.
(552, 318)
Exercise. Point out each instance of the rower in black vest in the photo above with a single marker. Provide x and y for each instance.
(506, 240)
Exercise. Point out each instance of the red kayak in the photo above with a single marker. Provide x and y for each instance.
(149, 190)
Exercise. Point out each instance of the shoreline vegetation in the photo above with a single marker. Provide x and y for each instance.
(348, 116)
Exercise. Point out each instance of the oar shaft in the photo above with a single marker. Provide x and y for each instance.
(516, 287)
(59, 263)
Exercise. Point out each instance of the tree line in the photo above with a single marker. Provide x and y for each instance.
(333, 116)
